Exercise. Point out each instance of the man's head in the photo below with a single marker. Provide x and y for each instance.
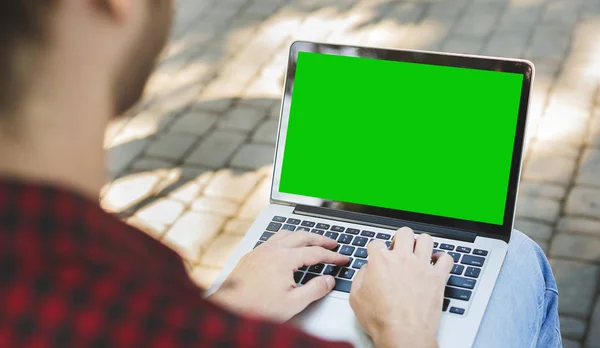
(105, 46)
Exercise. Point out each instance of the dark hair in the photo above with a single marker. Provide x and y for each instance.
(23, 31)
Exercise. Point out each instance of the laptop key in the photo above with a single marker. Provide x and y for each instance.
(358, 263)
(298, 276)
(473, 272)
(332, 235)
(457, 269)
(257, 244)
(347, 273)
(305, 229)
(445, 305)
(435, 251)
(445, 246)
(461, 249)
(461, 282)
(265, 236)
(303, 268)
(279, 219)
(342, 285)
(455, 256)
(350, 260)
(347, 250)
(435, 244)
(459, 294)
(331, 270)
(293, 221)
(308, 277)
(323, 226)
(274, 227)
(456, 310)
(362, 253)
(360, 241)
(345, 238)
(471, 260)
(287, 227)
(389, 244)
(383, 236)
(480, 252)
(307, 224)
(369, 234)
(317, 231)
(338, 228)
(318, 268)
(353, 231)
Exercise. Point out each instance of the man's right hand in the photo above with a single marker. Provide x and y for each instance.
(397, 297)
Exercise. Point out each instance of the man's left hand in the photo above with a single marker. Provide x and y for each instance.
(262, 284)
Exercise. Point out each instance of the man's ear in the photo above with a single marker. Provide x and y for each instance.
(118, 9)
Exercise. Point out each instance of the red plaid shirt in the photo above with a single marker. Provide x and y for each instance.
(72, 275)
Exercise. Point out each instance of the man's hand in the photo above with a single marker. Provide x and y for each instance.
(397, 297)
(262, 284)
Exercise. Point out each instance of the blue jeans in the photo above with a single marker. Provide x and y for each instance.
(523, 310)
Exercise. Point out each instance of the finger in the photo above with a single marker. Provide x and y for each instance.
(315, 289)
(424, 247)
(376, 246)
(405, 240)
(443, 262)
(302, 239)
(313, 255)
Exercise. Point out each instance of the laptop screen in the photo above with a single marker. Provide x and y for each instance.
(419, 138)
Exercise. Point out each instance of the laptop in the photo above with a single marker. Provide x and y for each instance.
(371, 140)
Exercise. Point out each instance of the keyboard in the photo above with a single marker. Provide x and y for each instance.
(353, 242)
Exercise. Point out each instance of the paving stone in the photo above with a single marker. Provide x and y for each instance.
(564, 128)
(589, 170)
(192, 233)
(257, 201)
(220, 250)
(461, 44)
(189, 189)
(237, 227)
(215, 205)
(253, 156)
(548, 168)
(479, 20)
(587, 247)
(235, 186)
(511, 45)
(579, 225)
(534, 229)
(150, 164)
(565, 12)
(584, 201)
(567, 343)
(241, 119)
(519, 19)
(548, 42)
(152, 228)
(216, 149)
(171, 146)
(130, 190)
(577, 286)
(275, 110)
(593, 337)
(204, 276)
(217, 104)
(162, 211)
(572, 327)
(121, 156)
(542, 189)
(267, 132)
(593, 137)
(541, 209)
(195, 122)
(194, 172)
(549, 147)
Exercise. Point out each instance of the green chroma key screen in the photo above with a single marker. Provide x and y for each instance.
(419, 138)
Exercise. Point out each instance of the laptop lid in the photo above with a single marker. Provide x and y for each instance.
(424, 137)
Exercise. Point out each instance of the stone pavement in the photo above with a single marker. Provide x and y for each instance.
(191, 164)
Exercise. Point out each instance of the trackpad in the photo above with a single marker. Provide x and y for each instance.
(332, 319)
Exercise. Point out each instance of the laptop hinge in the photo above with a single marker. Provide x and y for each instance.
(383, 222)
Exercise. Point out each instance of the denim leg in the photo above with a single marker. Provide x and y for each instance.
(523, 310)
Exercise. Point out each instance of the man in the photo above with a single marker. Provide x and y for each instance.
(73, 276)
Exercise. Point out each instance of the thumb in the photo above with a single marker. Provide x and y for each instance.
(315, 289)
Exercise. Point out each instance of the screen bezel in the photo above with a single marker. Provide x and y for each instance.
(523, 67)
